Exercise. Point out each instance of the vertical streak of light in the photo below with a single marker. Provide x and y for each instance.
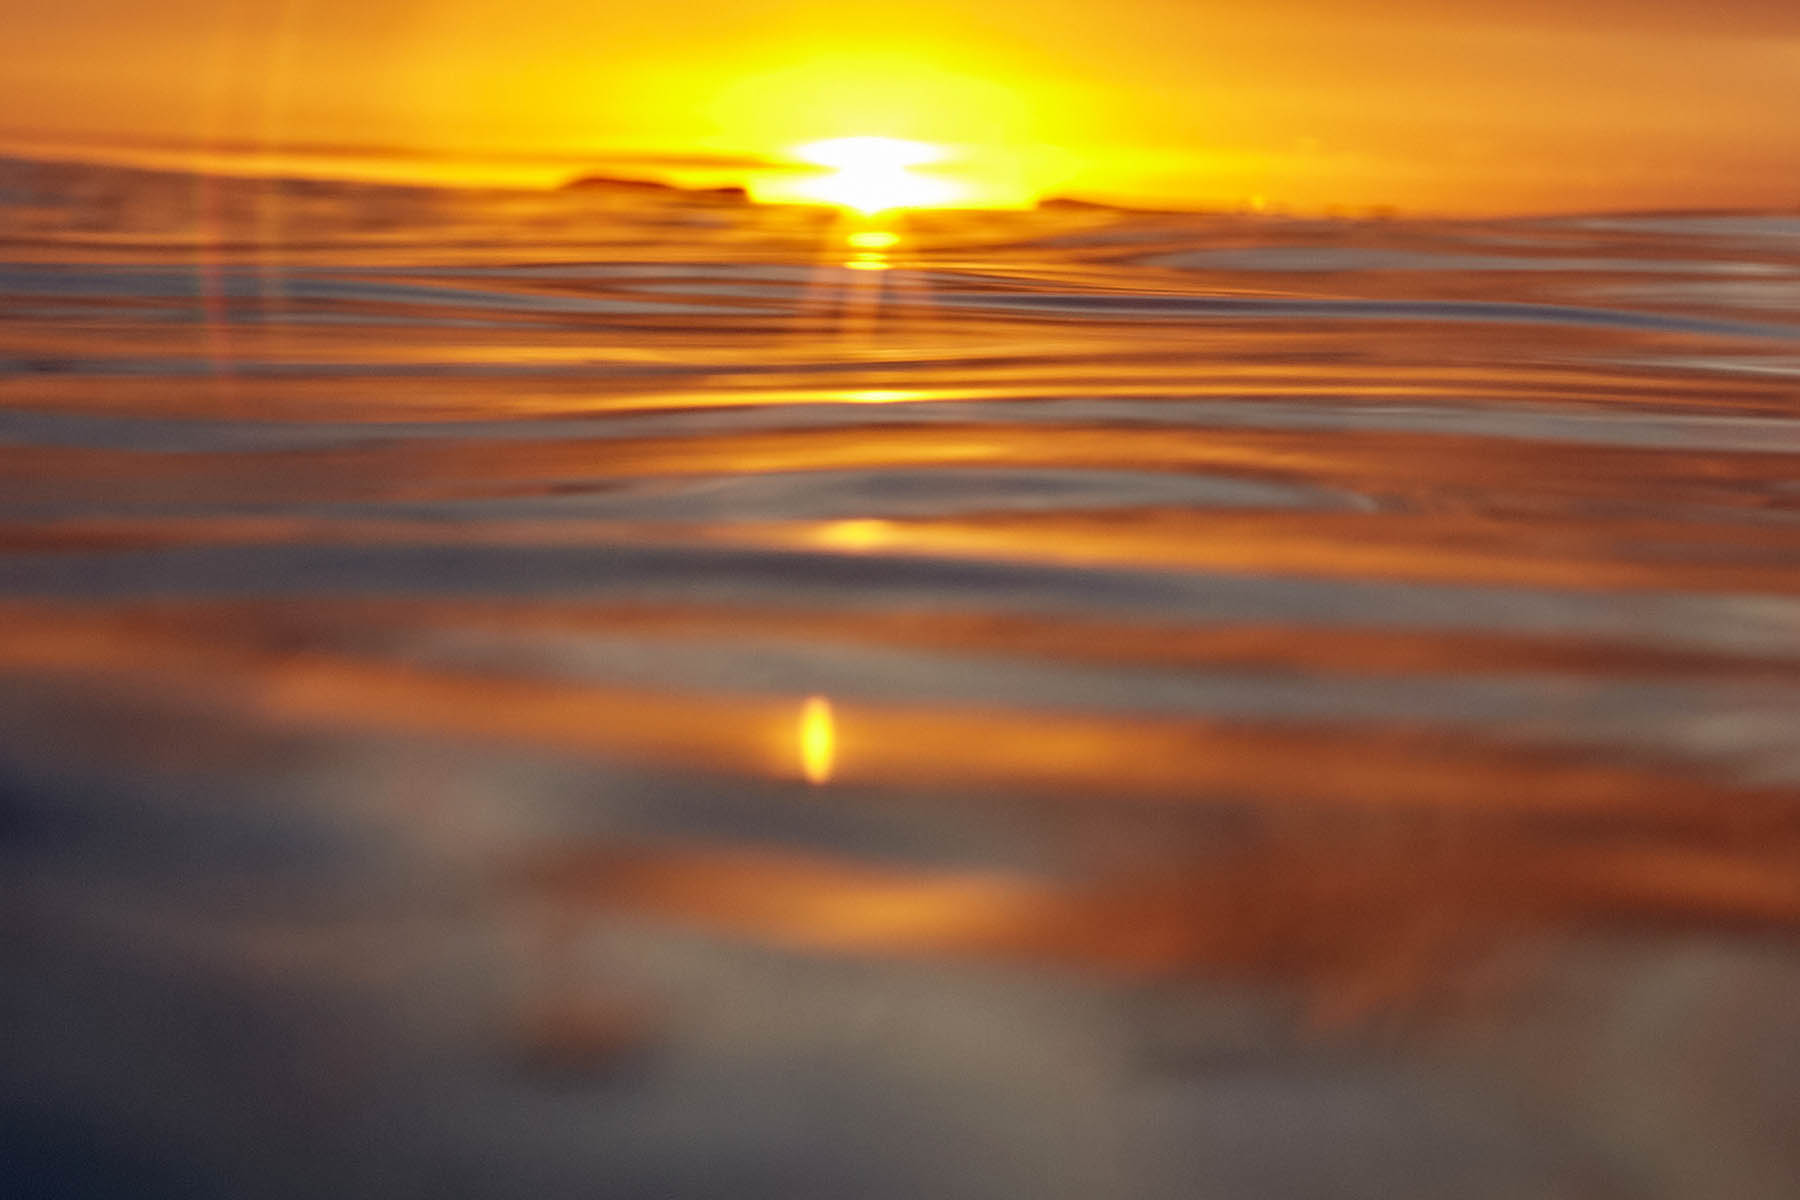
(818, 740)
(846, 288)
(209, 266)
(277, 90)
(211, 272)
(864, 290)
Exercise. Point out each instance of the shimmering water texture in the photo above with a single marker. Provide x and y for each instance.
(619, 692)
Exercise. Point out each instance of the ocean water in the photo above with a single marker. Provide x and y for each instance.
(615, 692)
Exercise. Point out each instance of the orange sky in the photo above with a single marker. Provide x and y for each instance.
(1469, 105)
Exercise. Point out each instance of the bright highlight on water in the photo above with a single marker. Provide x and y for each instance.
(818, 740)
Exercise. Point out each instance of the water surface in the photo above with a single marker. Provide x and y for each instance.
(524, 688)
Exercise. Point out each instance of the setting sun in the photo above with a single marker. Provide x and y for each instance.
(871, 175)
(867, 175)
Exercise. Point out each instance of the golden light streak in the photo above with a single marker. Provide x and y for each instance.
(878, 395)
(855, 534)
(818, 740)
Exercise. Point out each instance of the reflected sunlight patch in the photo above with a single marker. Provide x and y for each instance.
(879, 395)
(856, 534)
(818, 740)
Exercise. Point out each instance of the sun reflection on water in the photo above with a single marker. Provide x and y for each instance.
(868, 248)
(879, 395)
(818, 740)
(854, 535)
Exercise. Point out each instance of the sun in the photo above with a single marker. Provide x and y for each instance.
(870, 154)
(868, 175)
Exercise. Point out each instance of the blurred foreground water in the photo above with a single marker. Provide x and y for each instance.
(614, 692)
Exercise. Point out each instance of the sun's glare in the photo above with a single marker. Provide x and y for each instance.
(868, 175)
(873, 175)
(870, 155)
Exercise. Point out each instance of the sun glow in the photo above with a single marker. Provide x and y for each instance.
(868, 175)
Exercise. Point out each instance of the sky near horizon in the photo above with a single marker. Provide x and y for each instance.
(1462, 105)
